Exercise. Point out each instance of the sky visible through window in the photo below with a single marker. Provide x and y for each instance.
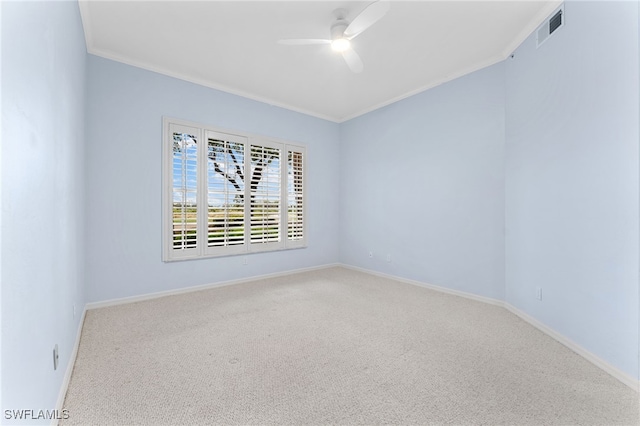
(185, 180)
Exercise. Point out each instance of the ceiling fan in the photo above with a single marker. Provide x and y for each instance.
(342, 32)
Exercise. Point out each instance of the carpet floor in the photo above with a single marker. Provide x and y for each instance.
(332, 346)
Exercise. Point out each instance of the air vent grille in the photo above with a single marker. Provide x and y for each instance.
(555, 22)
(550, 26)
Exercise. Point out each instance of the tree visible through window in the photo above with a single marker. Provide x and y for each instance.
(234, 194)
(225, 183)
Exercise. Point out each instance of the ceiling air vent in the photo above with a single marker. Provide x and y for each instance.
(549, 26)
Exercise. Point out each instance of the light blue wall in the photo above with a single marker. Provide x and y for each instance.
(428, 181)
(422, 180)
(572, 180)
(123, 157)
(43, 99)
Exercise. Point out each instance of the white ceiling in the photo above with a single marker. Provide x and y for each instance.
(232, 46)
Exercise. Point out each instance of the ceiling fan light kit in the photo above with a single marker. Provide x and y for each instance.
(342, 32)
(340, 44)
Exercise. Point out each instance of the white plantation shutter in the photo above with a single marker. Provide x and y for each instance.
(228, 194)
(225, 193)
(266, 196)
(295, 197)
(183, 207)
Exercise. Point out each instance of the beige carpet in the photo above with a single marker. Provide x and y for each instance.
(333, 346)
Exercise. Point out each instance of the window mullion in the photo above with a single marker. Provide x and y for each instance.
(284, 189)
(247, 194)
(203, 211)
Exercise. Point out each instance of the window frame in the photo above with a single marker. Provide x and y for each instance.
(202, 248)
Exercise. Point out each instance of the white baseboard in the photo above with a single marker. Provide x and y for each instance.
(464, 294)
(594, 359)
(149, 296)
(623, 377)
(67, 375)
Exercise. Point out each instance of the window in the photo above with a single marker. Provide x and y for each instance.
(229, 193)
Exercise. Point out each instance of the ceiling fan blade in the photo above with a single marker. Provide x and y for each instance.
(366, 18)
(353, 60)
(303, 41)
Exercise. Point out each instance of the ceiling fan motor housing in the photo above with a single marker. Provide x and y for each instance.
(337, 29)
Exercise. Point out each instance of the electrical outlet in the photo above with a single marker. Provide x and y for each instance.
(74, 311)
(55, 357)
(245, 262)
(370, 255)
(388, 257)
(539, 293)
